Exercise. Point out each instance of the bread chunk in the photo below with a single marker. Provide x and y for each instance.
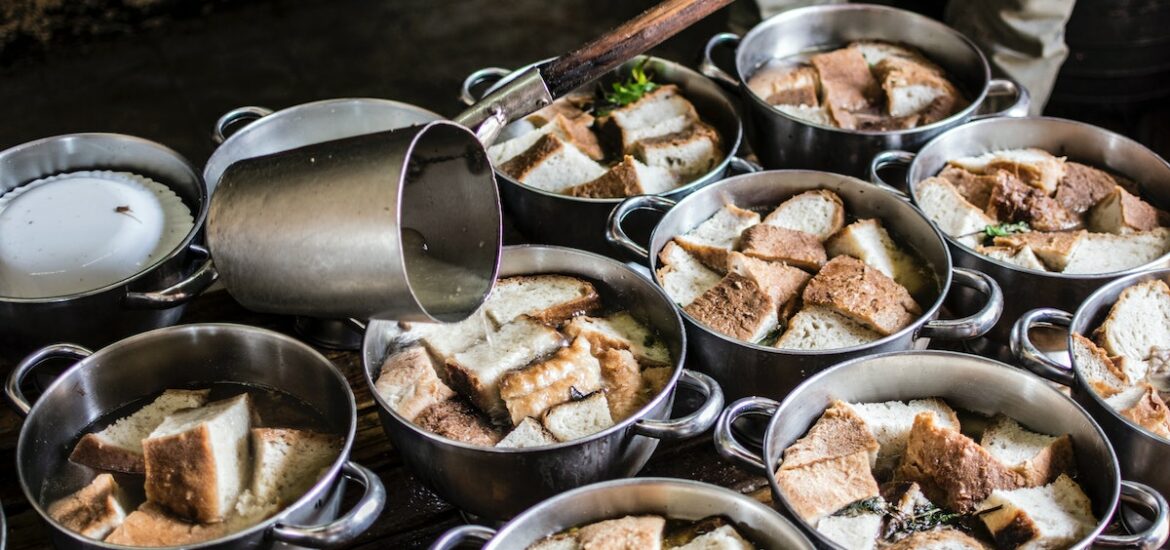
(625, 179)
(118, 447)
(94, 510)
(1121, 213)
(819, 212)
(573, 107)
(782, 283)
(819, 327)
(627, 533)
(661, 112)
(553, 165)
(1138, 321)
(870, 121)
(890, 423)
(953, 471)
(946, 207)
(409, 382)
(531, 390)
(444, 340)
(1014, 201)
(476, 373)
(1037, 457)
(973, 187)
(581, 418)
(938, 539)
(1144, 406)
(868, 241)
(859, 532)
(725, 537)
(820, 488)
(1058, 515)
(685, 155)
(197, 459)
(1098, 369)
(528, 433)
(736, 307)
(839, 432)
(875, 51)
(623, 382)
(1035, 167)
(714, 239)
(288, 462)
(621, 331)
(455, 419)
(910, 88)
(569, 130)
(549, 299)
(863, 294)
(151, 526)
(778, 244)
(682, 276)
(795, 85)
(818, 115)
(1053, 249)
(846, 81)
(1019, 256)
(1107, 253)
(1083, 187)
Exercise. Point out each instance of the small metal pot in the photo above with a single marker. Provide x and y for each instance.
(966, 382)
(782, 141)
(558, 219)
(672, 498)
(155, 296)
(500, 483)
(185, 356)
(743, 368)
(1142, 454)
(1027, 289)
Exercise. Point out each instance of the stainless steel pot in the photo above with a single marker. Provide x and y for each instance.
(1027, 289)
(1142, 454)
(744, 368)
(153, 297)
(557, 219)
(672, 498)
(782, 141)
(966, 382)
(500, 483)
(185, 356)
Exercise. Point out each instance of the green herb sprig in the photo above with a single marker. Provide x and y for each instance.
(1005, 229)
(638, 84)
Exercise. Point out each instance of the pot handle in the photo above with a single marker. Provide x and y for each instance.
(455, 537)
(1156, 535)
(1029, 355)
(692, 424)
(347, 527)
(616, 235)
(886, 159)
(725, 442)
(224, 124)
(744, 166)
(975, 325)
(181, 292)
(1008, 87)
(16, 398)
(708, 66)
(489, 74)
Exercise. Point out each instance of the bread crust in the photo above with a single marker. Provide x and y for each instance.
(93, 452)
(975, 188)
(862, 293)
(736, 307)
(779, 244)
(1083, 187)
(840, 431)
(455, 419)
(175, 470)
(150, 525)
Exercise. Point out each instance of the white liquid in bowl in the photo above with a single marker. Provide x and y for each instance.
(85, 230)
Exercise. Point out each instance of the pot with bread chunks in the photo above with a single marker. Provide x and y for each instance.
(566, 376)
(204, 435)
(1051, 208)
(781, 274)
(1118, 341)
(890, 452)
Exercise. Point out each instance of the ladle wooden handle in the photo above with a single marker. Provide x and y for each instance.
(632, 38)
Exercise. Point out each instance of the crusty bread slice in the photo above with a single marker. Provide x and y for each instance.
(629, 532)
(1037, 457)
(528, 433)
(856, 532)
(875, 51)
(409, 382)
(625, 179)
(549, 299)
(444, 340)
(1057, 515)
(1138, 321)
(820, 488)
(286, 463)
(197, 459)
(863, 294)
(553, 165)
(621, 331)
(813, 114)
(151, 526)
(118, 447)
(946, 538)
(661, 112)
(911, 87)
(1107, 253)
(579, 418)
(1022, 256)
(975, 188)
(1098, 369)
(531, 390)
(890, 423)
(1036, 167)
(951, 468)
(1013, 201)
(573, 106)
(782, 283)
(94, 510)
(686, 155)
(711, 241)
(815, 328)
(1144, 406)
(778, 244)
(786, 85)
(1083, 187)
(457, 420)
(476, 372)
(846, 81)
(868, 241)
(839, 432)
(570, 130)
(946, 207)
(682, 276)
(725, 537)
(1121, 213)
(1053, 249)
(820, 212)
(737, 307)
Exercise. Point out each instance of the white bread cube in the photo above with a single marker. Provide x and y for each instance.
(860, 532)
(714, 239)
(197, 459)
(1106, 253)
(1035, 167)
(1058, 515)
(1038, 457)
(568, 130)
(661, 112)
(621, 331)
(118, 447)
(778, 244)
(868, 241)
(686, 155)
(723, 538)
(817, 328)
(409, 382)
(1099, 370)
(531, 390)
(286, 463)
(812, 114)
(549, 299)
(954, 216)
(577, 419)
(528, 433)
(94, 510)
(682, 276)
(625, 179)
(1022, 256)
(476, 372)
(552, 165)
(629, 532)
(890, 423)
(863, 294)
(1138, 321)
(819, 212)
(1121, 213)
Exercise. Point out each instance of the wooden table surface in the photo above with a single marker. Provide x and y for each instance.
(414, 516)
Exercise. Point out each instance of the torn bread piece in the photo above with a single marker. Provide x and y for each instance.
(457, 420)
(1054, 249)
(954, 216)
(444, 340)
(976, 188)
(1036, 167)
(409, 382)
(1083, 187)
(815, 327)
(778, 244)
(625, 179)
(711, 241)
(811, 114)
(476, 372)
(820, 488)
(553, 165)
(118, 447)
(661, 112)
(855, 532)
(911, 87)
(575, 107)
(624, 385)
(846, 81)
(875, 51)
(1143, 406)
(736, 307)
(621, 331)
(531, 390)
(569, 130)
(1138, 321)
(1108, 253)
(1121, 213)
(94, 510)
(868, 241)
(1037, 457)
(840, 431)
(1022, 256)
(1096, 367)
(782, 283)
(820, 212)
(1057, 515)
(863, 294)
(890, 423)
(579, 418)
(151, 526)
(286, 463)
(1014, 201)
(627, 533)
(790, 85)
(528, 433)
(724, 537)
(549, 299)
(686, 155)
(682, 276)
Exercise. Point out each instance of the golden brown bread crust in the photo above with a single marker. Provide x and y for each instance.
(1150, 412)
(951, 468)
(780, 282)
(1082, 187)
(1012, 200)
(838, 432)
(623, 383)
(778, 244)
(788, 91)
(519, 166)
(620, 181)
(1017, 531)
(180, 472)
(862, 293)
(455, 419)
(894, 72)
(820, 488)
(713, 257)
(973, 187)
(151, 526)
(90, 511)
(627, 533)
(1136, 214)
(1104, 358)
(580, 135)
(736, 307)
(1053, 248)
(1049, 463)
(91, 451)
(846, 81)
(588, 302)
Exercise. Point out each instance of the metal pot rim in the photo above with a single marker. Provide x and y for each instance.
(197, 216)
(328, 479)
(797, 13)
(679, 364)
(913, 188)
